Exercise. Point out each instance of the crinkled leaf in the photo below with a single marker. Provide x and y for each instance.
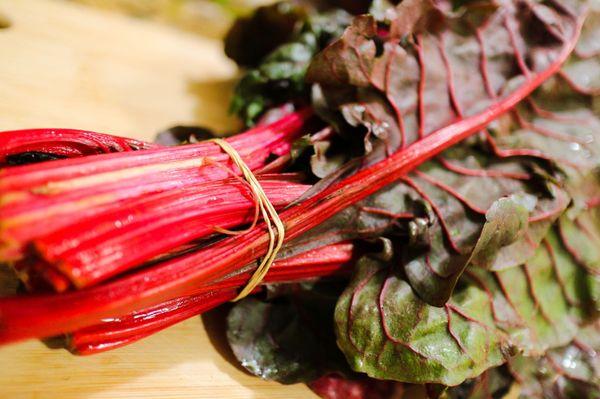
(581, 238)
(387, 331)
(566, 139)
(565, 134)
(582, 72)
(438, 214)
(506, 220)
(559, 122)
(439, 61)
(436, 62)
(570, 372)
(474, 221)
(502, 252)
(429, 69)
(588, 45)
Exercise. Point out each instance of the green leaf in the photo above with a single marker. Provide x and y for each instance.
(506, 220)
(581, 237)
(571, 372)
(438, 215)
(279, 77)
(493, 222)
(388, 332)
(559, 122)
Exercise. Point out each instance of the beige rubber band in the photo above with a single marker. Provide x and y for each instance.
(274, 224)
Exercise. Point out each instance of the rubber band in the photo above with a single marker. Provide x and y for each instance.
(275, 226)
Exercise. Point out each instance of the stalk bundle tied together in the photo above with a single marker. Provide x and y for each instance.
(274, 224)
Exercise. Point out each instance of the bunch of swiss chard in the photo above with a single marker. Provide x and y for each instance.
(435, 164)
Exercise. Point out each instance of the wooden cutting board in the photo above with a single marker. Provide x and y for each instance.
(65, 65)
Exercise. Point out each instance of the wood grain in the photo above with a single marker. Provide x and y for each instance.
(72, 66)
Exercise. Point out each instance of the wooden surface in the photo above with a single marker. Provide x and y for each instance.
(72, 66)
(65, 65)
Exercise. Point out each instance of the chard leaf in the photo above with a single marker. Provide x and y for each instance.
(388, 332)
(436, 62)
(581, 239)
(588, 45)
(560, 128)
(494, 222)
(432, 65)
(288, 339)
(559, 121)
(279, 77)
(571, 372)
(562, 131)
(438, 214)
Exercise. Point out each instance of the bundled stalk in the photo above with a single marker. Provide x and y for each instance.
(38, 145)
(454, 174)
(327, 262)
(36, 199)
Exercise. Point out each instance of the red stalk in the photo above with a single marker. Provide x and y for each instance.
(65, 143)
(131, 328)
(69, 191)
(98, 248)
(33, 316)
(277, 137)
(326, 261)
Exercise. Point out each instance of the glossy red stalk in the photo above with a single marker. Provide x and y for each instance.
(98, 248)
(35, 201)
(276, 137)
(121, 331)
(326, 261)
(65, 143)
